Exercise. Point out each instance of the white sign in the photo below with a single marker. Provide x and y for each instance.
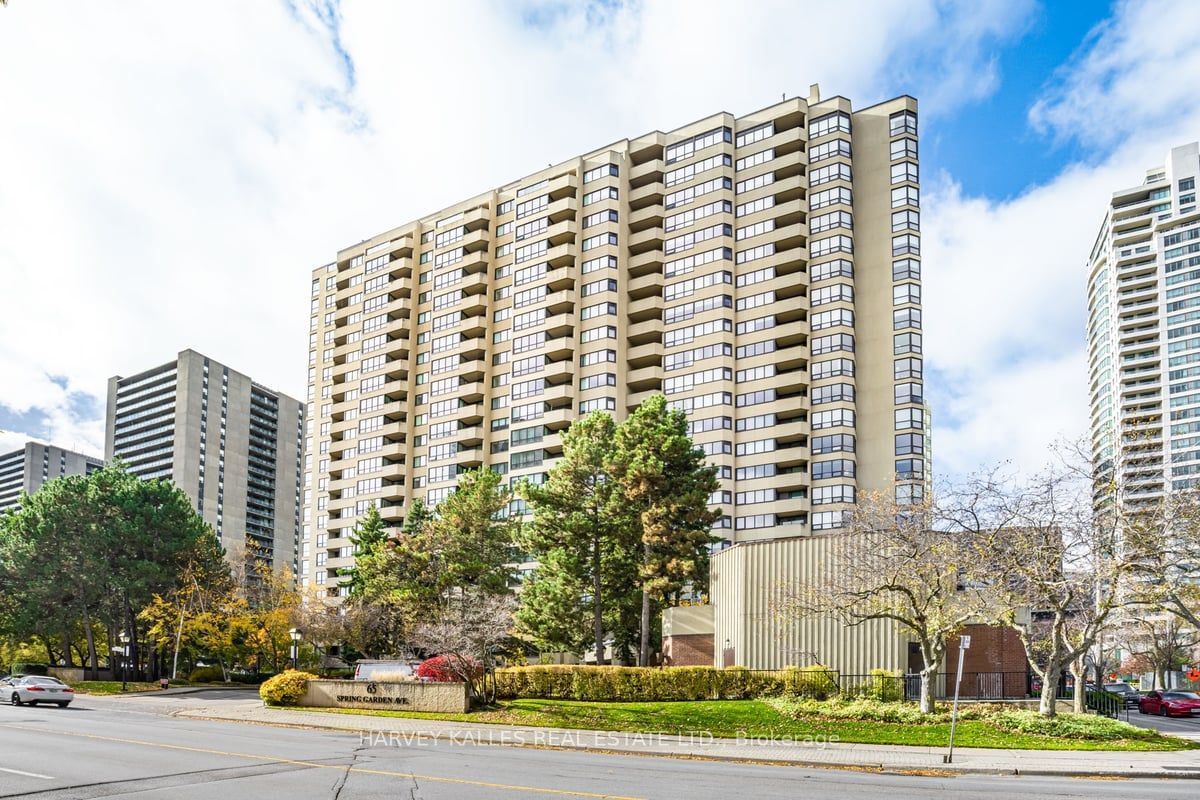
(964, 642)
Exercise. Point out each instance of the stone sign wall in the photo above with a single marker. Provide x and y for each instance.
(398, 696)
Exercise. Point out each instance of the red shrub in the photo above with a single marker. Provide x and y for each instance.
(438, 669)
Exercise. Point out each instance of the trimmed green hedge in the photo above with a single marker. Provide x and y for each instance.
(637, 684)
(26, 668)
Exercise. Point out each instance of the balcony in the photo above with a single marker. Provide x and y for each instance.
(471, 414)
(560, 325)
(560, 348)
(471, 436)
(645, 355)
(476, 241)
(558, 233)
(561, 256)
(473, 369)
(559, 418)
(650, 285)
(565, 185)
(560, 278)
(558, 396)
(644, 263)
(649, 171)
(561, 302)
(645, 332)
(648, 195)
(644, 378)
(648, 239)
(646, 217)
(471, 392)
(478, 218)
(564, 208)
(647, 308)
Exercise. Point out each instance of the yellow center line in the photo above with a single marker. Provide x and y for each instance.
(317, 765)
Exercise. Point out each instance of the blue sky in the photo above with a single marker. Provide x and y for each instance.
(989, 146)
(172, 154)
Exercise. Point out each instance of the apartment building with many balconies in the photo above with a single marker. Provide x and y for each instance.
(1144, 332)
(763, 272)
(232, 445)
(25, 470)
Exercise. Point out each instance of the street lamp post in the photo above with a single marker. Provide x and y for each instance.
(964, 642)
(124, 639)
(295, 635)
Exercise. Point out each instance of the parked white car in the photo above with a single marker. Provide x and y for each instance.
(383, 670)
(35, 689)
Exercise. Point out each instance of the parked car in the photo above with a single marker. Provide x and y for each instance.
(35, 689)
(1130, 695)
(1170, 704)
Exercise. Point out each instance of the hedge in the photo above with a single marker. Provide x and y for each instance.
(206, 675)
(637, 684)
(26, 668)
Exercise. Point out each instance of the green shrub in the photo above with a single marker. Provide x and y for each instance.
(206, 675)
(251, 678)
(1067, 726)
(286, 688)
(26, 668)
(885, 686)
(815, 681)
(633, 684)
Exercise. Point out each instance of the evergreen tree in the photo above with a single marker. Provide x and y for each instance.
(581, 534)
(664, 480)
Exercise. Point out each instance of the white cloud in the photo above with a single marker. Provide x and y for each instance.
(172, 172)
(1136, 73)
(1004, 282)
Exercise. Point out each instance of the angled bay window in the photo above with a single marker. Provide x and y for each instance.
(836, 122)
(829, 197)
(904, 171)
(837, 468)
(910, 444)
(906, 318)
(834, 393)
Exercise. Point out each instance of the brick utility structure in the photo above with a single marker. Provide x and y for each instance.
(761, 271)
(231, 444)
(25, 470)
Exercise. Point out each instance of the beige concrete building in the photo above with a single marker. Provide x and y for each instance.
(25, 470)
(761, 271)
(1144, 332)
(231, 444)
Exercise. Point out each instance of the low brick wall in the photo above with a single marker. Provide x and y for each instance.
(402, 695)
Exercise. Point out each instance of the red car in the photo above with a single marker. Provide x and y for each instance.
(1170, 704)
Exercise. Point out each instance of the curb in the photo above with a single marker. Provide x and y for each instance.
(944, 771)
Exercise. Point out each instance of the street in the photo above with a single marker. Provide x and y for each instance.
(132, 747)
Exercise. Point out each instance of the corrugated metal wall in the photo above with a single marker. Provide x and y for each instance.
(747, 581)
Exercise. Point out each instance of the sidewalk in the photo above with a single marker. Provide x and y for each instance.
(399, 732)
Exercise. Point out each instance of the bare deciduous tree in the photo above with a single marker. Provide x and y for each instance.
(892, 564)
(466, 634)
(1161, 642)
(1057, 551)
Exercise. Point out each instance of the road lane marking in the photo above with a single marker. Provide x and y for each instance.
(317, 765)
(26, 774)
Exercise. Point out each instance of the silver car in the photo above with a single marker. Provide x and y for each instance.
(35, 689)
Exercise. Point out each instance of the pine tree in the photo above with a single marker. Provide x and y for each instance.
(663, 478)
(581, 532)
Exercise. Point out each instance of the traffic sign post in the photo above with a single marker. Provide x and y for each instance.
(964, 643)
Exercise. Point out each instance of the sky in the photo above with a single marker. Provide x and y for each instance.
(170, 173)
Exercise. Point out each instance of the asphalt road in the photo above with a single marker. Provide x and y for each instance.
(120, 749)
(1180, 726)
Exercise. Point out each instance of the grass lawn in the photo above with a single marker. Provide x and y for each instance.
(111, 687)
(756, 718)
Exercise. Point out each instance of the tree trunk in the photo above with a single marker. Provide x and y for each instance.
(1048, 707)
(597, 608)
(68, 660)
(1079, 699)
(93, 660)
(644, 649)
(50, 659)
(926, 700)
